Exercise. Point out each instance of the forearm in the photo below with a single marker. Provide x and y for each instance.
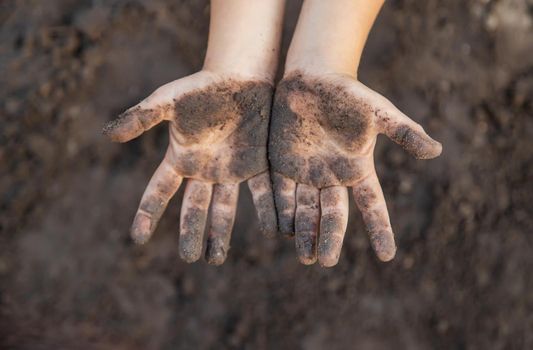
(330, 35)
(244, 37)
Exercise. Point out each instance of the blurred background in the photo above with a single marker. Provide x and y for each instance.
(71, 279)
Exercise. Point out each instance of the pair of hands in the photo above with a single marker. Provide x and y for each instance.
(298, 159)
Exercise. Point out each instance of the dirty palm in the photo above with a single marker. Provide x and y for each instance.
(322, 139)
(218, 138)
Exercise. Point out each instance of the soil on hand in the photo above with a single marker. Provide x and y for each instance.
(70, 278)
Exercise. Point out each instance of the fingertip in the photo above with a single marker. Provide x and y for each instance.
(121, 129)
(215, 256)
(384, 246)
(190, 249)
(328, 261)
(189, 256)
(132, 123)
(215, 261)
(140, 230)
(329, 250)
(386, 256)
(419, 144)
(140, 239)
(306, 248)
(307, 260)
(109, 131)
(434, 151)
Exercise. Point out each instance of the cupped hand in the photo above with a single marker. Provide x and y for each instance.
(322, 139)
(218, 138)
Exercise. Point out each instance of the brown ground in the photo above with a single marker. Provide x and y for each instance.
(71, 279)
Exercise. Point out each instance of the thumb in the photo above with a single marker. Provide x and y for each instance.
(142, 117)
(132, 123)
(407, 133)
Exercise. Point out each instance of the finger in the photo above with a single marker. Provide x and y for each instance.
(133, 123)
(261, 189)
(193, 218)
(223, 208)
(145, 115)
(306, 222)
(334, 205)
(406, 133)
(163, 185)
(285, 199)
(370, 201)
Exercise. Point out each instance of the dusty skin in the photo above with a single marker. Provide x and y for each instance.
(323, 133)
(218, 137)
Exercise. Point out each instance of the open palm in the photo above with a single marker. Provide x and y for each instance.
(322, 139)
(218, 136)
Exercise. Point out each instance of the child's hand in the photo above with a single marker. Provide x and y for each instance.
(218, 134)
(322, 139)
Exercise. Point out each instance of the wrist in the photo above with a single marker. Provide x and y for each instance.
(244, 38)
(253, 66)
(330, 36)
(319, 64)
